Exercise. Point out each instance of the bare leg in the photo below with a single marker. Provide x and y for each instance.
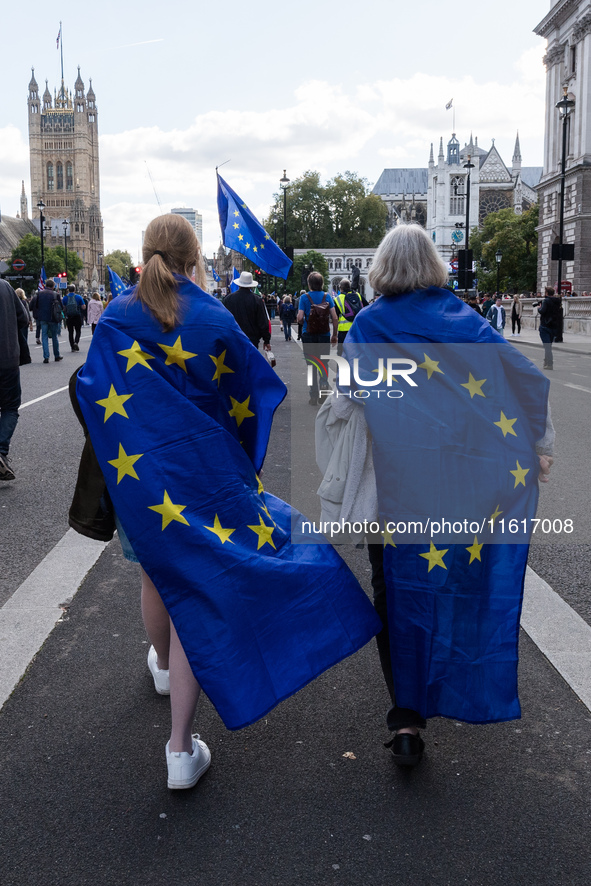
(184, 694)
(156, 621)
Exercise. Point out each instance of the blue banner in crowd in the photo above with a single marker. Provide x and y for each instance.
(235, 275)
(215, 275)
(242, 232)
(117, 284)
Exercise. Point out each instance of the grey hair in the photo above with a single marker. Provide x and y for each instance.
(345, 285)
(406, 260)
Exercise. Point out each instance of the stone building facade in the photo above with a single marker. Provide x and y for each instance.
(340, 265)
(436, 197)
(64, 157)
(567, 28)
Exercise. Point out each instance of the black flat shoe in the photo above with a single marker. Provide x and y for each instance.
(407, 749)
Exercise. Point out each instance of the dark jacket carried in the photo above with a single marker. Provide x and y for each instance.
(551, 314)
(249, 312)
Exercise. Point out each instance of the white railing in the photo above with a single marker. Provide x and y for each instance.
(577, 314)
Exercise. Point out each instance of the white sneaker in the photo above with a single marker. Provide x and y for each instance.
(185, 770)
(161, 677)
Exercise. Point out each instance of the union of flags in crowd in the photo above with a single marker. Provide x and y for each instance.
(235, 275)
(215, 275)
(42, 278)
(117, 284)
(244, 233)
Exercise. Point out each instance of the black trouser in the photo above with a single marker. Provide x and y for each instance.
(548, 336)
(74, 325)
(515, 320)
(312, 348)
(397, 718)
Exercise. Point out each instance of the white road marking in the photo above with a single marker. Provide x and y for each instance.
(30, 615)
(577, 387)
(44, 397)
(559, 633)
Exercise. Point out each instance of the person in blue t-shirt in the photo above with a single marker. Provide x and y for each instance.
(316, 329)
(74, 306)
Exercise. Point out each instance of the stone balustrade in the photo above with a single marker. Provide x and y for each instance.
(577, 314)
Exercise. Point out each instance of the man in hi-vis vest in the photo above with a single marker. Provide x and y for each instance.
(347, 304)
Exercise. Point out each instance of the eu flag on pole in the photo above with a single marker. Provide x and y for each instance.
(258, 616)
(117, 284)
(215, 275)
(241, 231)
(235, 275)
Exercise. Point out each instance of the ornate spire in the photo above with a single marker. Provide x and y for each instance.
(441, 154)
(33, 83)
(79, 84)
(517, 151)
(431, 158)
(90, 93)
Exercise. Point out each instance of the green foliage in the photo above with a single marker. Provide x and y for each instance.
(119, 261)
(341, 214)
(517, 239)
(29, 250)
(310, 257)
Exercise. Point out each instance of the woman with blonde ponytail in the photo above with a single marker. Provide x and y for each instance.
(179, 406)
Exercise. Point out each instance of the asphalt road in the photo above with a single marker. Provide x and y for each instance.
(83, 775)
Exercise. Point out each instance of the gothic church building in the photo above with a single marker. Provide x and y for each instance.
(64, 154)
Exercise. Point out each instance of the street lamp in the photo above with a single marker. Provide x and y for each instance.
(41, 207)
(498, 259)
(565, 106)
(65, 224)
(284, 184)
(468, 166)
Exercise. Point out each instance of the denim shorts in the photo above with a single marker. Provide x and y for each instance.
(126, 547)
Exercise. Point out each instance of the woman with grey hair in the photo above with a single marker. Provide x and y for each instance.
(449, 610)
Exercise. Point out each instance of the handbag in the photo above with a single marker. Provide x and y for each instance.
(271, 358)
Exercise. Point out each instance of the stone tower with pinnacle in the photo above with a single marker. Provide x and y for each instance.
(64, 156)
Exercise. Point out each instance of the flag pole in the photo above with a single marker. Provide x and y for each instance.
(62, 51)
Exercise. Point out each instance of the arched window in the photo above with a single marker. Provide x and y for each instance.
(69, 177)
(456, 196)
(50, 176)
(338, 265)
(82, 228)
(349, 263)
(330, 264)
(357, 262)
(60, 176)
(368, 262)
(77, 227)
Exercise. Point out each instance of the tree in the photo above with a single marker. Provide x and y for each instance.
(311, 257)
(29, 250)
(341, 214)
(517, 239)
(119, 261)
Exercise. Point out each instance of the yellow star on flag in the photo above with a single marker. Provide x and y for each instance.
(169, 511)
(220, 367)
(240, 411)
(267, 236)
(264, 533)
(519, 474)
(261, 487)
(236, 212)
(114, 403)
(135, 355)
(262, 245)
(254, 249)
(431, 366)
(240, 236)
(236, 225)
(388, 539)
(435, 557)
(247, 245)
(494, 516)
(506, 424)
(176, 355)
(222, 534)
(125, 464)
(475, 387)
(474, 551)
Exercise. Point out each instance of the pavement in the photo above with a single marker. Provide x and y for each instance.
(574, 342)
(308, 796)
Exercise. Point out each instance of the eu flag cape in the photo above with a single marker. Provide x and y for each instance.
(180, 423)
(460, 446)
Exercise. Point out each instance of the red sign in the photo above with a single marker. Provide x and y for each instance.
(565, 285)
(18, 264)
(454, 265)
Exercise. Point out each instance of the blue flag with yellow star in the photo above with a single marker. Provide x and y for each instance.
(215, 274)
(455, 457)
(116, 283)
(180, 423)
(244, 233)
(233, 285)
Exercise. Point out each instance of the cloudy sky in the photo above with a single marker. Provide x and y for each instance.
(316, 84)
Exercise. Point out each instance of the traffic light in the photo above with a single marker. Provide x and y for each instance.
(134, 275)
(465, 272)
